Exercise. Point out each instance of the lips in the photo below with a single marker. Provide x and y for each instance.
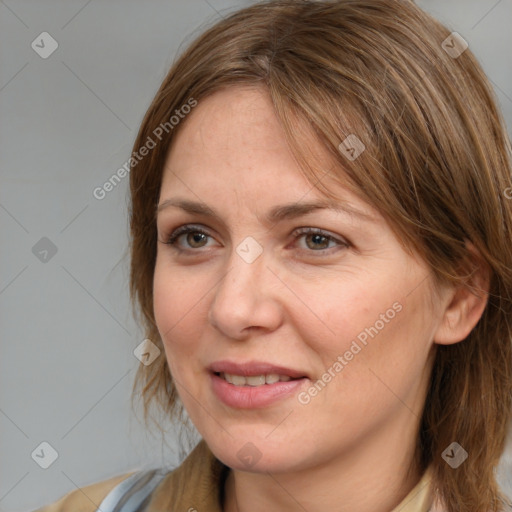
(255, 369)
(253, 385)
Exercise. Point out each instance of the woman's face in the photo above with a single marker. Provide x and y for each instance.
(342, 310)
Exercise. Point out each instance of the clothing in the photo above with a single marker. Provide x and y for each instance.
(196, 485)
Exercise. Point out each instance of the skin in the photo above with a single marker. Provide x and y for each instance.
(300, 304)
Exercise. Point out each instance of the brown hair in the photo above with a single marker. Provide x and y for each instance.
(436, 165)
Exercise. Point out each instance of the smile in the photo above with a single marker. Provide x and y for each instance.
(254, 380)
(254, 391)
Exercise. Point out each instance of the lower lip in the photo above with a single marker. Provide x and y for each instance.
(253, 397)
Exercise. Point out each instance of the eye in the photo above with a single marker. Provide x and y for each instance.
(317, 240)
(195, 237)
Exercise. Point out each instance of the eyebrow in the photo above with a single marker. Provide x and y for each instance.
(276, 214)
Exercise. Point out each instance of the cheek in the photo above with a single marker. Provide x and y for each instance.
(335, 314)
(387, 349)
(176, 305)
(373, 323)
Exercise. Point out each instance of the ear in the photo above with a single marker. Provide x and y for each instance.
(465, 304)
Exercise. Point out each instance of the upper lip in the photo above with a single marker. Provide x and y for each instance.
(252, 368)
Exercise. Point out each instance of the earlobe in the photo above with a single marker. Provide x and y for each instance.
(466, 303)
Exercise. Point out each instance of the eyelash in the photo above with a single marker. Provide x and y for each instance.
(182, 230)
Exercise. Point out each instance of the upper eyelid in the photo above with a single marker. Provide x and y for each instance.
(298, 232)
(200, 227)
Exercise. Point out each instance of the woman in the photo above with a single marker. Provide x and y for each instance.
(320, 247)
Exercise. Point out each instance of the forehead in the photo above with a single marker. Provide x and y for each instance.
(233, 142)
(232, 125)
(234, 134)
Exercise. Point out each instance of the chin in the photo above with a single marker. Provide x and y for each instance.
(258, 455)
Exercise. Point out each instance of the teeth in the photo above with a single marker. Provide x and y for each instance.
(237, 380)
(254, 380)
(271, 378)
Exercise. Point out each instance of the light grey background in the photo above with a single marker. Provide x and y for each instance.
(67, 124)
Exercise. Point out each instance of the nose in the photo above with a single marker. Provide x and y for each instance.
(246, 299)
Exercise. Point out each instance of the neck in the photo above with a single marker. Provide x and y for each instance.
(374, 477)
